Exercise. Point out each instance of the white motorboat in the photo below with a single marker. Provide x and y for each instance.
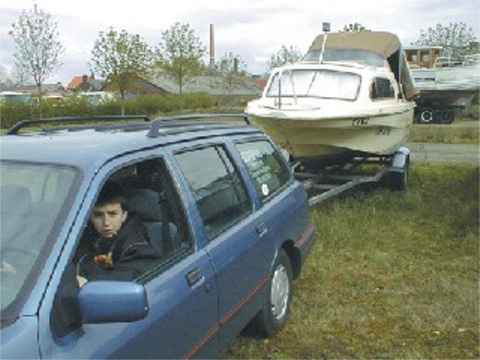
(350, 95)
(444, 90)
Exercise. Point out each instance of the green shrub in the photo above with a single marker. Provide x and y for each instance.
(11, 113)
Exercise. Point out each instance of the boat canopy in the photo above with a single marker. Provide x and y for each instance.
(379, 42)
(365, 47)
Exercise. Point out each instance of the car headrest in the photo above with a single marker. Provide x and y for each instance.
(146, 204)
(15, 199)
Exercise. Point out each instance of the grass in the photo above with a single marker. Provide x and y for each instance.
(447, 134)
(391, 275)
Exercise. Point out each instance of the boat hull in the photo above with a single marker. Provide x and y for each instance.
(333, 139)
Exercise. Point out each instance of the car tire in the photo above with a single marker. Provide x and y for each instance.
(278, 297)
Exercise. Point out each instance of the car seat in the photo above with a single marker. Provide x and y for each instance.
(149, 207)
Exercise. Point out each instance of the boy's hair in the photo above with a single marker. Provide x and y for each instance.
(112, 192)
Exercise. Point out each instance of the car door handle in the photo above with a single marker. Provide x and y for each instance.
(194, 277)
(262, 230)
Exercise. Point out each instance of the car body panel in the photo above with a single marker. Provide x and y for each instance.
(184, 320)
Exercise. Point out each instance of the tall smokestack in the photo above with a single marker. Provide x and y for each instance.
(212, 47)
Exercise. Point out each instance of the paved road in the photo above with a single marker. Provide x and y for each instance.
(455, 153)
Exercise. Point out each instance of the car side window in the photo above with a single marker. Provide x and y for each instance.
(265, 166)
(135, 227)
(217, 187)
(381, 88)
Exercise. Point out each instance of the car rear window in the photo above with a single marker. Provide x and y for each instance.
(266, 167)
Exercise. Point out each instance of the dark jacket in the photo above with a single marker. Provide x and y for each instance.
(131, 251)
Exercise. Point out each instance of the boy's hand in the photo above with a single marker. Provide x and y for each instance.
(81, 280)
(104, 260)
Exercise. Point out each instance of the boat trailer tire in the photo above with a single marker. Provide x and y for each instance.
(278, 297)
(397, 177)
(426, 116)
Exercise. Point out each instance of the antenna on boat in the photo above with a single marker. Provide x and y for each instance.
(326, 30)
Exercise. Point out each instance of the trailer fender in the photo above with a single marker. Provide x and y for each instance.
(400, 159)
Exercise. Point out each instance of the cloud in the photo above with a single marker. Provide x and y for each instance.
(254, 29)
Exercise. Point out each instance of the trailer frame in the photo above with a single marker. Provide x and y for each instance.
(328, 182)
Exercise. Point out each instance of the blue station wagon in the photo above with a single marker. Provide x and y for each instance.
(217, 201)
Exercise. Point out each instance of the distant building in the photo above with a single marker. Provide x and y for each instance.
(141, 87)
(211, 84)
(53, 90)
(85, 83)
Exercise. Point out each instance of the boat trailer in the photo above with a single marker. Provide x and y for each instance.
(334, 180)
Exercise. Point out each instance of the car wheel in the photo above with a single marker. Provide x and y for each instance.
(276, 307)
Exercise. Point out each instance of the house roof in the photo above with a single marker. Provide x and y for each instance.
(93, 84)
(211, 84)
(75, 82)
(46, 89)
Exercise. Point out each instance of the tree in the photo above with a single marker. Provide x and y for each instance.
(37, 46)
(355, 27)
(121, 59)
(286, 55)
(179, 54)
(20, 77)
(455, 38)
(232, 69)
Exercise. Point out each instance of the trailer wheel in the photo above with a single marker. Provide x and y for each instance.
(450, 116)
(426, 116)
(398, 180)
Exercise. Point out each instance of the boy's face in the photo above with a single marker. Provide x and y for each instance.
(107, 219)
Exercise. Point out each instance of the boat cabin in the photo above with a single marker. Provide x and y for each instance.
(423, 56)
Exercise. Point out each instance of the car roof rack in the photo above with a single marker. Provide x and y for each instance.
(189, 123)
(72, 119)
(162, 126)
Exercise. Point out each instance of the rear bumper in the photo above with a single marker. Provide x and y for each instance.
(305, 241)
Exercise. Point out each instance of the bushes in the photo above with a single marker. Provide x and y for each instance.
(11, 113)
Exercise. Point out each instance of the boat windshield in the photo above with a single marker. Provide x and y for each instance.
(31, 203)
(327, 84)
(347, 55)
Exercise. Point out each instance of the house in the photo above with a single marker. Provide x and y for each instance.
(211, 84)
(140, 87)
(85, 83)
(48, 90)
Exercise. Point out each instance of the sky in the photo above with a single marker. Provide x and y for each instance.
(253, 29)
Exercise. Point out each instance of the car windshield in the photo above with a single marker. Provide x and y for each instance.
(315, 83)
(31, 203)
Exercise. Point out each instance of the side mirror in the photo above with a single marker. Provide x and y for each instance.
(112, 301)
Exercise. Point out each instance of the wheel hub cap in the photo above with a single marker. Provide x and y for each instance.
(280, 292)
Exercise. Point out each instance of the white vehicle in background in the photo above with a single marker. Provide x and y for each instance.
(97, 97)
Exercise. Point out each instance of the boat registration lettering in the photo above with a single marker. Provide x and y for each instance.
(383, 131)
(360, 122)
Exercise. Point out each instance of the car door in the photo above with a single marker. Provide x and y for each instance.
(282, 200)
(182, 316)
(234, 238)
